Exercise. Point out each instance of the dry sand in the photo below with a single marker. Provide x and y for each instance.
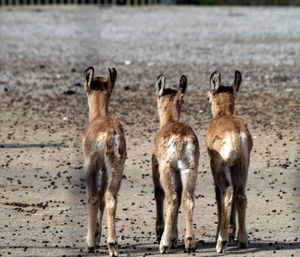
(43, 54)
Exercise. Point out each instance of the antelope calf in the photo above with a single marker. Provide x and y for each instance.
(104, 149)
(174, 166)
(229, 144)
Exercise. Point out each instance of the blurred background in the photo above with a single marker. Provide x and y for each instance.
(143, 2)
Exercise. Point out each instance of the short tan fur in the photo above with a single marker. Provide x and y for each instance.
(174, 166)
(229, 144)
(104, 149)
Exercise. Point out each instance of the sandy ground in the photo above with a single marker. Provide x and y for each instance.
(43, 54)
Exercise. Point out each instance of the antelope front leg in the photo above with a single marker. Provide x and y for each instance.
(219, 209)
(241, 202)
(241, 206)
(100, 216)
(160, 224)
(174, 235)
(91, 179)
(176, 180)
(159, 196)
(232, 225)
(102, 190)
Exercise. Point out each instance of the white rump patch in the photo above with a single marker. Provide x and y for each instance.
(234, 147)
(171, 154)
(188, 159)
(188, 162)
(230, 149)
(99, 145)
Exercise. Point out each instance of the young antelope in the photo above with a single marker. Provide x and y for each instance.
(104, 149)
(174, 166)
(229, 144)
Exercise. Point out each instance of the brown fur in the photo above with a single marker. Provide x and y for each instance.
(104, 149)
(229, 144)
(177, 129)
(174, 166)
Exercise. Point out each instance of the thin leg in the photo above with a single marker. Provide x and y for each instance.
(223, 238)
(189, 183)
(241, 207)
(174, 235)
(159, 195)
(219, 209)
(114, 182)
(102, 190)
(218, 196)
(241, 201)
(172, 201)
(111, 203)
(235, 176)
(232, 224)
(223, 180)
(91, 182)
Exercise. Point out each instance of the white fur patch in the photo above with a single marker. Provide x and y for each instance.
(184, 175)
(171, 153)
(189, 151)
(228, 148)
(100, 146)
(188, 161)
(233, 147)
(99, 149)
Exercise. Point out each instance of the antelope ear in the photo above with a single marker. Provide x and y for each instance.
(237, 81)
(112, 79)
(160, 85)
(215, 81)
(89, 75)
(183, 86)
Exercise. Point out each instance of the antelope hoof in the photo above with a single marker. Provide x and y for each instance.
(90, 244)
(189, 243)
(113, 249)
(97, 239)
(163, 248)
(221, 246)
(243, 244)
(159, 233)
(174, 242)
(165, 243)
(90, 249)
(231, 238)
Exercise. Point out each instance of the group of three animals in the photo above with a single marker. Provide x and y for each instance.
(174, 162)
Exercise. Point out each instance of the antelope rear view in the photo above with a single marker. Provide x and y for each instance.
(174, 166)
(229, 144)
(104, 149)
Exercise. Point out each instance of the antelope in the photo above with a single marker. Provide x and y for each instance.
(104, 149)
(229, 144)
(174, 166)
